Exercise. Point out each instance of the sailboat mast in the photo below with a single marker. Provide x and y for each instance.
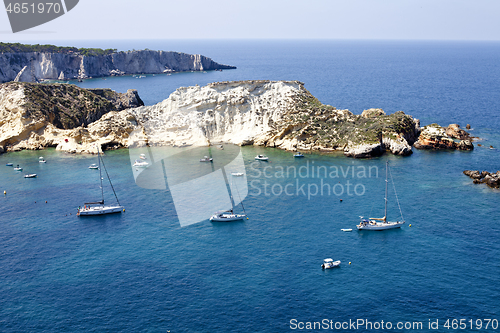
(386, 182)
(100, 174)
(231, 196)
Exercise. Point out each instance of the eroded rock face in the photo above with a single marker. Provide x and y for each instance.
(33, 116)
(490, 179)
(454, 131)
(436, 137)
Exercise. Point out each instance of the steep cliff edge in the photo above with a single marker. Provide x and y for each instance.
(37, 66)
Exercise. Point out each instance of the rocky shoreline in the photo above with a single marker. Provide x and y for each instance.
(484, 177)
(436, 137)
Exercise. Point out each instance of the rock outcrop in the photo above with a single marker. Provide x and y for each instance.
(33, 116)
(436, 137)
(454, 131)
(490, 179)
(38, 66)
(280, 114)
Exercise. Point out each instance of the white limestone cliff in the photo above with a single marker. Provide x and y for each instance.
(38, 66)
(232, 112)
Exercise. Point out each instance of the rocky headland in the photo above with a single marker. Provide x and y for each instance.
(280, 114)
(26, 63)
(434, 136)
(484, 177)
(34, 116)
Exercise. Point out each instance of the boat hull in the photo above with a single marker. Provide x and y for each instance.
(227, 217)
(99, 210)
(379, 225)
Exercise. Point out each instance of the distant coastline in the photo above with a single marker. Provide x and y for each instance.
(36, 63)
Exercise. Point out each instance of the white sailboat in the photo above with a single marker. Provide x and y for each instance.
(140, 164)
(230, 215)
(381, 223)
(99, 208)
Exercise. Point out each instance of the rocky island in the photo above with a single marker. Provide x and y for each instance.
(434, 136)
(484, 177)
(281, 114)
(34, 63)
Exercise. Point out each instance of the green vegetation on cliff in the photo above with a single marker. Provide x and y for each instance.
(68, 106)
(316, 124)
(24, 48)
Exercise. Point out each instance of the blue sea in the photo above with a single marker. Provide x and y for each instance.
(140, 271)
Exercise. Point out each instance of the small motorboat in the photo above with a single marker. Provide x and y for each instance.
(140, 164)
(261, 157)
(329, 263)
(41, 160)
(94, 166)
(237, 174)
(206, 159)
(18, 168)
(221, 147)
(30, 175)
(142, 157)
(347, 230)
(299, 154)
(9, 164)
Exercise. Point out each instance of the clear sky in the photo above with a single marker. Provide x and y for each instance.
(259, 19)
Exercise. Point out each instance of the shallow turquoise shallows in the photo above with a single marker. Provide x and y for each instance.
(140, 271)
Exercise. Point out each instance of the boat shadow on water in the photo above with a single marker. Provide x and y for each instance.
(103, 222)
(377, 233)
(217, 224)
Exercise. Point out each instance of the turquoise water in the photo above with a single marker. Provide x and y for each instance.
(140, 271)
